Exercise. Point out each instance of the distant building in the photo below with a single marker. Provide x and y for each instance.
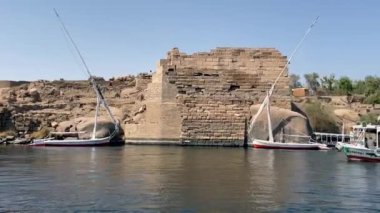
(300, 92)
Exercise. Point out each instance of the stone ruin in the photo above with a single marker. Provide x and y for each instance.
(205, 98)
(199, 99)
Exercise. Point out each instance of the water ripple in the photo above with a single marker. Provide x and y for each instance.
(183, 179)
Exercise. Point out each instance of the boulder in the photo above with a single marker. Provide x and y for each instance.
(128, 91)
(65, 126)
(86, 124)
(54, 92)
(283, 120)
(54, 124)
(22, 93)
(10, 137)
(140, 110)
(104, 127)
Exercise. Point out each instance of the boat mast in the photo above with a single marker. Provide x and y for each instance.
(377, 136)
(96, 118)
(266, 100)
(270, 130)
(99, 96)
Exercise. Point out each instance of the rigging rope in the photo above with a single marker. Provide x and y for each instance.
(72, 51)
(293, 53)
(266, 100)
(95, 86)
(73, 43)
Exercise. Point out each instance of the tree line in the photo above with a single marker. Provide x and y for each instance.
(368, 88)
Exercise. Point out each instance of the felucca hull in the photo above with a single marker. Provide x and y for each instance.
(84, 142)
(262, 144)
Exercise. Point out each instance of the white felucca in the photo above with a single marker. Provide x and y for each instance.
(100, 100)
(270, 143)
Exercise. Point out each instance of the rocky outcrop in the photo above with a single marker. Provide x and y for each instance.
(338, 109)
(5, 119)
(286, 125)
(63, 105)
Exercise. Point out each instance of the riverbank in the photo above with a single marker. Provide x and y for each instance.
(204, 98)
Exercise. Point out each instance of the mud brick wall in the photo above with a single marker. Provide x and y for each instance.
(215, 90)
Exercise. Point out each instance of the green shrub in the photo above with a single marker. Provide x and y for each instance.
(373, 99)
(321, 117)
(370, 118)
(43, 133)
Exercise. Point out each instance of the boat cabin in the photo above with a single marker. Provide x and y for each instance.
(367, 135)
(330, 139)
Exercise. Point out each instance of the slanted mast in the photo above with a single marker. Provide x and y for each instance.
(266, 101)
(100, 100)
(270, 132)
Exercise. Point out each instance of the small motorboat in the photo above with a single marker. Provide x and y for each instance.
(364, 146)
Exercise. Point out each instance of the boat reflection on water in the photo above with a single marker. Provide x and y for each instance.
(272, 177)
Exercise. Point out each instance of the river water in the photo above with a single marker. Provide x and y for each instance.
(184, 179)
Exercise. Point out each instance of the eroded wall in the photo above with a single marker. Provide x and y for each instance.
(204, 98)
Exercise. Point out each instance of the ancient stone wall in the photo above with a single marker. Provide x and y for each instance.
(160, 120)
(216, 89)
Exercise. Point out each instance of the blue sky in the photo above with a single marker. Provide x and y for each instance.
(121, 37)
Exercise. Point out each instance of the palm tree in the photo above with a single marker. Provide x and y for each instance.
(327, 82)
(312, 81)
(294, 81)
